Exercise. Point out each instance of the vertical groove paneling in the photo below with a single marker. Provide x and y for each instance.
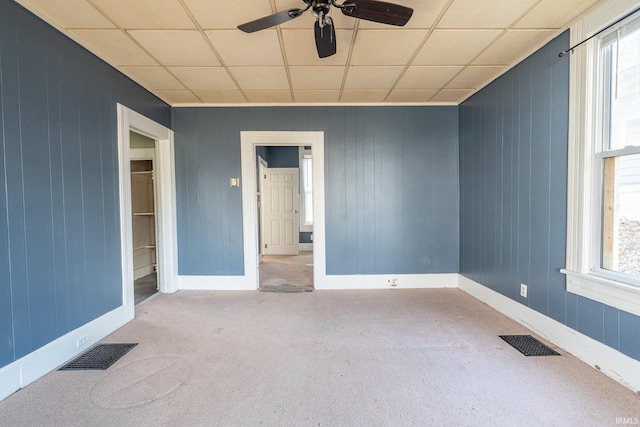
(513, 196)
(15, 185)
(36, 178)
(57, 188)
(7, 340)
(390, 183)
(59, 214)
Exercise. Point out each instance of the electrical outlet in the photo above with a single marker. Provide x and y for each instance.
(523, 290)
(82, 340)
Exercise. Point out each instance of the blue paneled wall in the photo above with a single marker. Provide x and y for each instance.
(391, 186)
(513, 199)
(59, 214)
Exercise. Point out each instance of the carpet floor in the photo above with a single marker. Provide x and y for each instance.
(283, 271)
(324, 358)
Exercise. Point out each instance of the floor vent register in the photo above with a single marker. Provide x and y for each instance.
(528, 345)
(100, 357)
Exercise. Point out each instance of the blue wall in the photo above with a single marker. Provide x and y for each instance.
(513, 199)
(391, 186)
(59, 213)
(283, 157)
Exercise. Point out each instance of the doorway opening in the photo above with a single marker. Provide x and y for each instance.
(164, 203)
(285, 218)
(250, 140)
(144, 223)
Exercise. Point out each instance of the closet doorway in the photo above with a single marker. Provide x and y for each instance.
(144, 217)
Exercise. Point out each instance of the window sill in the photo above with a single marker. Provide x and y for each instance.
(616, 294)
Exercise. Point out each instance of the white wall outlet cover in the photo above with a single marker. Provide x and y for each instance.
(523, 290)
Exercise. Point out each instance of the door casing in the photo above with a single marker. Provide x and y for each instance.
(249, 140)
(129, 120)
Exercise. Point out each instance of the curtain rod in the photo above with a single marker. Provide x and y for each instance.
(564, 52)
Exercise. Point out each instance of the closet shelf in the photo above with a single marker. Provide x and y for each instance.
(143, 247)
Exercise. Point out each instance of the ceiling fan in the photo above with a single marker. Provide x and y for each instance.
(325, 32)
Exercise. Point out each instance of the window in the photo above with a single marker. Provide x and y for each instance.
(306, 190)
(619, 154)
(603, 234)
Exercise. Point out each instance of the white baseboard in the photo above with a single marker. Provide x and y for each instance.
(213, 283)
(306, 247)
(29, 368)
(391, 281)
(142, 272)
(611, 362)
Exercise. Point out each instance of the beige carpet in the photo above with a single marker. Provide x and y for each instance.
(287, 271)
(324, 358)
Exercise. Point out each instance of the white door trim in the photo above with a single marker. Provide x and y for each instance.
(248, 143)
(129, 120)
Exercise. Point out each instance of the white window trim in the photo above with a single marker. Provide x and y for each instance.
(583, 241)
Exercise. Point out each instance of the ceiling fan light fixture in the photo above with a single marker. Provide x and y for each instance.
(369, 10)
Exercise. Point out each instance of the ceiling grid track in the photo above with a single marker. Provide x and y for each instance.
(420, 46)
(130, 37)
(274, 9)
(504, 31)
(356, 27)
(450, 50)
(213, 49)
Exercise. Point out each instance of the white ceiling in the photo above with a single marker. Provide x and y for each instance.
(190, 52)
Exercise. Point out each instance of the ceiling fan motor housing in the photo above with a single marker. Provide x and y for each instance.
(321, 7)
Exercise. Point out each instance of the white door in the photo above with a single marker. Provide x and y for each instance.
(280, 210)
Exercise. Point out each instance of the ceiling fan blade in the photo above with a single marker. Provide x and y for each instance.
(326, 39)
(270, 21)
(378, 11)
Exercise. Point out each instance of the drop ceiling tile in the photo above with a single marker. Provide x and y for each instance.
(316, 78)
(179, 48)
(212, 14)
(364, 96)
(475, 77)
(237, 48)
(554, 13)
(153, 78)
(204, 78)
(512, 46)
(269, 96)
(69, 13)
(308, 20)
(417, 77)
(221, 97)
(411, 95)
(372, 78)
(313, 96)
(386, 47)
(261, 78)
(147, 14)
(114, 47)
(424, 14)
(452, 95)
(451, 47)
(177, 96)
(484, 14)
(300, 48)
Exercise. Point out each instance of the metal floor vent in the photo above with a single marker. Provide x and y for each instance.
(528, 345)
(100, 357)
